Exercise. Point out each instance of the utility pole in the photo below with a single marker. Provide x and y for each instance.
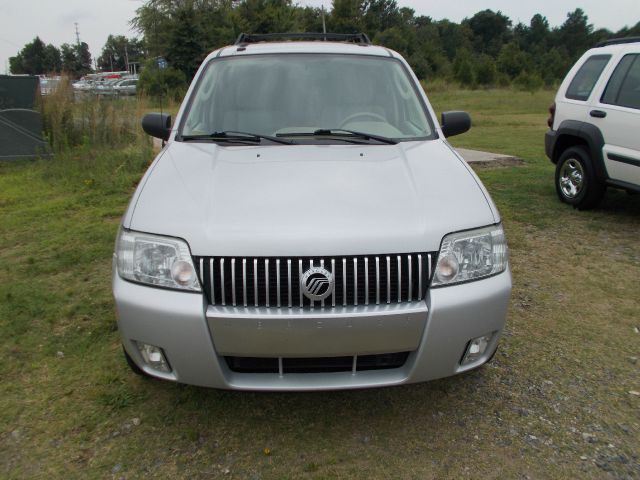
(77, 34)
(324, 25)
(126, 56)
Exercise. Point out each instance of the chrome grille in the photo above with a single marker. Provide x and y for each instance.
(275, 282)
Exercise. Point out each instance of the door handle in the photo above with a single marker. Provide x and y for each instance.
(598, 113)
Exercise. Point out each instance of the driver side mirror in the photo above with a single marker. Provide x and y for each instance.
(455, 123)
(157, 125)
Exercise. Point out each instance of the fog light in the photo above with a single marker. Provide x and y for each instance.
(154, 357)
(476, 348)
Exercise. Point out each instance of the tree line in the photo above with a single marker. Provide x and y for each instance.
(36, 58)
(484, 49)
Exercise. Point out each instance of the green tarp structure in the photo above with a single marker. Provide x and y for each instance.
(20, 124)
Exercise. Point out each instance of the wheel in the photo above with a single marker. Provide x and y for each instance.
(132, 365)
(576, 183)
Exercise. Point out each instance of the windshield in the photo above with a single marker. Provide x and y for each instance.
(293, 94)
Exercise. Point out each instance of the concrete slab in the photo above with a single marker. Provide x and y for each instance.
(478, 156)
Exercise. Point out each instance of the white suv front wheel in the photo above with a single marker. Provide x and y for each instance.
(576, 183)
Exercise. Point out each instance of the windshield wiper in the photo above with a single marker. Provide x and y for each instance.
(340, 133)
(233, 136)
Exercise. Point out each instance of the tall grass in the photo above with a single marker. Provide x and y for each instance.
(97, 142)
(71, 119)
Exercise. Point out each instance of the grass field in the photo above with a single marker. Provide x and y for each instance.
(554, 403)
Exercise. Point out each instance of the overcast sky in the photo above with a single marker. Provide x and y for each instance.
(53, 20)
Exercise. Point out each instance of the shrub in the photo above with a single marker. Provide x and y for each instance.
(486, 70)
(167, 82)
(529, 82)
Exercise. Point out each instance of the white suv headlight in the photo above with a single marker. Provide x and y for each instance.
(471, 255)
(155, 260)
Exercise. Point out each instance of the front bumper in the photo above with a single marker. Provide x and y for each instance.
(195, 336)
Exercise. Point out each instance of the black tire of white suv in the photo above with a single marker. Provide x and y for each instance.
(576, 183)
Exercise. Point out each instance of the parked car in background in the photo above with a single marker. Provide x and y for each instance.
(594, 136)
(308, 226)
(48, 85)
(81, 85)
(106, 87)
(126, 87)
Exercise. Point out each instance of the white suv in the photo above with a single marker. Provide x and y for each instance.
(308, 226)
(595, 124)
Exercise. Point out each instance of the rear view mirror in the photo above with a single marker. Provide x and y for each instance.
(157, 125)
(455, 123)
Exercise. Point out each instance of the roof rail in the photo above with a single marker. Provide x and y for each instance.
(618, 41)
(359, 38)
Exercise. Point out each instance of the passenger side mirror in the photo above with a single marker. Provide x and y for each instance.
(157, 125)
(455, 123)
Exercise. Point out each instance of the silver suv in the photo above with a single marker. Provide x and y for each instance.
(594, 136)
(308, 226)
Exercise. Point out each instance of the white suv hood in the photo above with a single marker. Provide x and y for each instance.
(307, 200)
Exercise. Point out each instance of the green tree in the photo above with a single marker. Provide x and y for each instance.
(512, 61)
(36, 58)
(70, 64)
(154, 20)
(185, 51)
(346, 16)
(31, 60)
(539, 33)
(266, 16)
(485, 48)
(16, 64)
(486, 71)
(454, 37)
(395, 39)
(117, 51)
(167, 82)
(554, 65)
(75, 59)
(52, 59)
(575, 33)
(84, 59)
(309, 19)
(379, 15)
(463, 68)
(629, 31)
(490, 30)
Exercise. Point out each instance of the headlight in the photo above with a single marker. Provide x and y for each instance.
(471, 255)
(155, 260)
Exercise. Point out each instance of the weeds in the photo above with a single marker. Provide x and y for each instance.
(80, 119)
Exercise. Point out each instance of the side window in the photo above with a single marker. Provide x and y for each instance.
(586, 77)
(624, 86)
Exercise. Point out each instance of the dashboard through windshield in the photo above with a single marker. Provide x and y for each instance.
(298, 95)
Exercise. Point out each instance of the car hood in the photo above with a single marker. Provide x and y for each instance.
(307, 200)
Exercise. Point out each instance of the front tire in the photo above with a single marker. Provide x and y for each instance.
(576, 183)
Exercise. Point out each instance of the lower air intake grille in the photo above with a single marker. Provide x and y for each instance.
(317, 365)
(275, 282)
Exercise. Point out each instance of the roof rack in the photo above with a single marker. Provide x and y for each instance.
(618, 41)
(359, 38)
